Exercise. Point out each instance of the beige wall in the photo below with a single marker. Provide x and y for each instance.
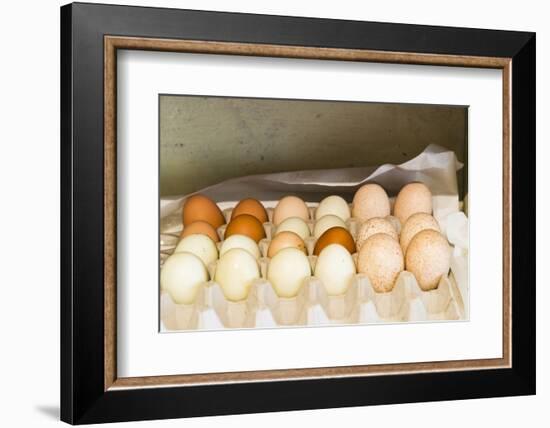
(205, 140)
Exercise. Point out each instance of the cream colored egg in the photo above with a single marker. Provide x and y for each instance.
(335, 269)
(181, 276)
(333, 205)
(200, 245)
(325, 223)
(296, 225)
(371, 200)
(428, 258)
(412, 198)
(373, 226)
(240, 241)
(416, 223)
(290, 206)
(235, 272)
(287, 271)
(381, 259)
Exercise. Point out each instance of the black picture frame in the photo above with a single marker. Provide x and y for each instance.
(83, 396)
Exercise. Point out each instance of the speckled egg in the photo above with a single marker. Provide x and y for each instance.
(381, 259)
(373, 226)
(371, 200)
(416, 223)
(412, 198)
(428, 258)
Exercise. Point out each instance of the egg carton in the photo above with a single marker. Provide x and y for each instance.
(312, 306)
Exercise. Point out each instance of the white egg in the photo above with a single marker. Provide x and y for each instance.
(287, 271)
(325, 223)
(201, 246)
(243, 242)
(335, 268)
(333, 205)
(296, 225)
(181, 276)
(235, 272)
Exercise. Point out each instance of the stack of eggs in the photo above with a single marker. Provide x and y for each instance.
(382, 246)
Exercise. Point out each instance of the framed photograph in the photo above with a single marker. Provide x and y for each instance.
(265, 213)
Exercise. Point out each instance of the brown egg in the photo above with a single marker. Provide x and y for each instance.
(335, 235)
(285, 239)
(250, 206)
(245, 224)
(202, 208)
(290, 206)
(202, 228)
(412, 198)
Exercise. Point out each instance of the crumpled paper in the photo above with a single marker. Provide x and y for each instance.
(436, 167)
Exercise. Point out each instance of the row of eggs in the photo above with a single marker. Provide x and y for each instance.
(386, 245)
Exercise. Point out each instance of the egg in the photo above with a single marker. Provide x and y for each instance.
(290, 206)
(200, 207)
(287, 271)
(236, 271)
(373, 226)
(334, 205)
(240, 241)
(296, 225)
(335, 269)
(416, 223)
(335, 235)
(250, 206)
(412, 198)
(247, 225)
(181, 276)
(428, 258)
(201, 246)
(325, 223)
(381, 259)
(285, 239)
(371, 200)
(200, 227)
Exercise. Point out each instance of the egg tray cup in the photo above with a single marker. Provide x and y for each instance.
(263, 308)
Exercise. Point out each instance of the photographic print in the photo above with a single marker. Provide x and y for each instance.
(296, 213)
